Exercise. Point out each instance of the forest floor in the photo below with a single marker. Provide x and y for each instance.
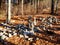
(44, 38)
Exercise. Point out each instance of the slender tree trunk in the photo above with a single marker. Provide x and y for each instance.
(56, 6)
(22, 7)
(30, 7)
(38, 5)
(35, 6)
(19, 1)
(0, 3)
(8, 11)
(52, 7)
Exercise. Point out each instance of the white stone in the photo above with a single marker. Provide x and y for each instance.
(30, 39)
(3, 37)
(1, 33)
(37, 38)
(10, 35)
(44, 28)
(8, 28)
(25, 36)
(10, 31)
(1, 28)
(21, 36)
(4, 32)
(15, 33)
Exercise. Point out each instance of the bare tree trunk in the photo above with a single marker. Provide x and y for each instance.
(52, 7)
(8, 11)
(56, 6)
(22, 7)
(18, 2)
(0, 3)
(35, 6)
(38, 6)
(30, 7)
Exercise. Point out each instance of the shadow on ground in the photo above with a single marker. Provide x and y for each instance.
(4, 42)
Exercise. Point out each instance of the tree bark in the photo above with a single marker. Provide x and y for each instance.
(0, 3)
(56, 6)
(8, 11)
(22, 7)
(52, 7)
